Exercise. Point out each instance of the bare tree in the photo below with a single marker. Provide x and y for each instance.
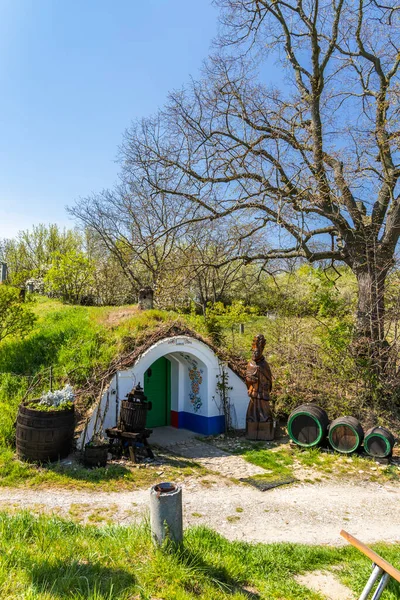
(139, 230)
(312, 161)
(209, 260)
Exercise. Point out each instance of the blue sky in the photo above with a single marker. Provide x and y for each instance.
(73, 74)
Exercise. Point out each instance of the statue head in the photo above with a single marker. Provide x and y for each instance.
(258, 346)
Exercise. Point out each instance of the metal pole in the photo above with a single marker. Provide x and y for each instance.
(377, 571)
(381, 586)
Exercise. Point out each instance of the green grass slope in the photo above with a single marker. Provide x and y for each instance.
(75, 341)
(46, 558)
(307, 357)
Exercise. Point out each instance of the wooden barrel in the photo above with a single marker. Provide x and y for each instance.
(307, 425)
(133, 415)
(44, 436)
(345, 434)
(379, 442)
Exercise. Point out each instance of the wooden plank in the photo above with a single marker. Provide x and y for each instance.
(378, 560)
(132, 454)
(118, 433)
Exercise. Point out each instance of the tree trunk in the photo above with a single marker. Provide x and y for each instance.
(371, 303)
(370, 324)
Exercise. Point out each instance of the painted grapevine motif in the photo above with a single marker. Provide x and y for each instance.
(196, 378)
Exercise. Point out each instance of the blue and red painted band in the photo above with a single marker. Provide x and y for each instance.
(198, 423)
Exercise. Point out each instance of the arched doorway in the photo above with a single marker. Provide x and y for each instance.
(157, 388)
(182, 385)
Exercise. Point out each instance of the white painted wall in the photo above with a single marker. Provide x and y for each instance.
(181, 351)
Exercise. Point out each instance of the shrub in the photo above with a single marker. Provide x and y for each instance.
(15, 317)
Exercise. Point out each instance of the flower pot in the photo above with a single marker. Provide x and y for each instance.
(95, 456)
(44, 436)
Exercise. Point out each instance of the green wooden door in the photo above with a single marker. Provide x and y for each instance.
(157, 387)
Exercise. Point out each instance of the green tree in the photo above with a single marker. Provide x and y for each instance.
(29, 254)
(15, 317)
(70, 276)
(219, 317)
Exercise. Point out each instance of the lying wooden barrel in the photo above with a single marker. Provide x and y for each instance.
(307, 425)
(44, 436)
(345, 434)
(379, 442)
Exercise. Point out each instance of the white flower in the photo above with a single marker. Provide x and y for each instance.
(58, 397)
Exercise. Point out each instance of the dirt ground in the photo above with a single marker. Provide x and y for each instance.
(307, 513)
(327, 584)
(310, 512)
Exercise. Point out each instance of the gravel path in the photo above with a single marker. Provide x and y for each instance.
(214, 459)
(308, 513)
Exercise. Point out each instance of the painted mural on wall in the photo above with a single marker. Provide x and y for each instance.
(196, 378)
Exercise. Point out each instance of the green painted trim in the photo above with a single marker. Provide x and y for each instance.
(353, 430)
(307, 414)
(388, 448)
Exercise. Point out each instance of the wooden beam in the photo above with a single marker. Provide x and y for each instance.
(378, 560)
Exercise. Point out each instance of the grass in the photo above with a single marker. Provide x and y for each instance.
(311, 465)
(73, 340)
(278, 465)
(48, 558)
(77, 340)
(113, 478)
(233, 518)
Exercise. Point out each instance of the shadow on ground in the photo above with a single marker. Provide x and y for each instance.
(218, 576)
(79, 472)
(64, 579)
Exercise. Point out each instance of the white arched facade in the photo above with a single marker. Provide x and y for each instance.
(195, 396)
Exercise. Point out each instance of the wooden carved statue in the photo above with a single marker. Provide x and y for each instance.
(259, 420)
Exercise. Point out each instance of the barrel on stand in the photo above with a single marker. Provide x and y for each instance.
(307, 425)
(379, 442)
(44, 436)
(133, 415)
(345, 434)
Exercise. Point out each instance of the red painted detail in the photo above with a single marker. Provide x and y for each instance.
(174, 419)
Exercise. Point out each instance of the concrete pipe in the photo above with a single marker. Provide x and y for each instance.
(166, 513)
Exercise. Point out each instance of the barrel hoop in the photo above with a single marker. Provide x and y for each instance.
(379, 435)
(307, 414)
(331, 430)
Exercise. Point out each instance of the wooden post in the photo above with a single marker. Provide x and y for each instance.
(132, 453)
